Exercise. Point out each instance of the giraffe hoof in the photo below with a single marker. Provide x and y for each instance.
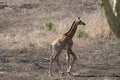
(68, 71)
(50, 75)
(69, 74)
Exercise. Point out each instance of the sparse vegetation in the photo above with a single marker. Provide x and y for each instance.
(25, 44)
(80, 33)
(49, 25)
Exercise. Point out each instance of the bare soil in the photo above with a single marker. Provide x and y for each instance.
(24, 41)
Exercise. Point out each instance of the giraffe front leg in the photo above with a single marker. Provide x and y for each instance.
(68, 61)
(74, 58)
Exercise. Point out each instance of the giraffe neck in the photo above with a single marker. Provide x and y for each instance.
(71, 33)
(70, 28)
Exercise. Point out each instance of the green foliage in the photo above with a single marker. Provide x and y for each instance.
(49, 25)
(80, 33)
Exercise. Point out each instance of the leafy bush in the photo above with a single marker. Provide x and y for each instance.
(80, 33)
(49, 25)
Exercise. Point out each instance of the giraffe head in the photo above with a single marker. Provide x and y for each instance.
(80, 22)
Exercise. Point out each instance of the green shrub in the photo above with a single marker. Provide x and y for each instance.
(80, 33)
(49, 25)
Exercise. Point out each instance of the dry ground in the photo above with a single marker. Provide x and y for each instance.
(24, 41)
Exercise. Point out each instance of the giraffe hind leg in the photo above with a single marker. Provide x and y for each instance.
(50, 65)
(58, 62)
(54, 57)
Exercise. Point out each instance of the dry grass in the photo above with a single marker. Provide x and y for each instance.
(24, 41)
(97, 26)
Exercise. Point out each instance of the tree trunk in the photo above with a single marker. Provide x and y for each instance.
(116, 8)
(113, 17)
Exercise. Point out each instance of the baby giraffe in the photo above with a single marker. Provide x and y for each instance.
(64, 42)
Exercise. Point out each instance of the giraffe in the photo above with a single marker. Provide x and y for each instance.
(64, 42)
